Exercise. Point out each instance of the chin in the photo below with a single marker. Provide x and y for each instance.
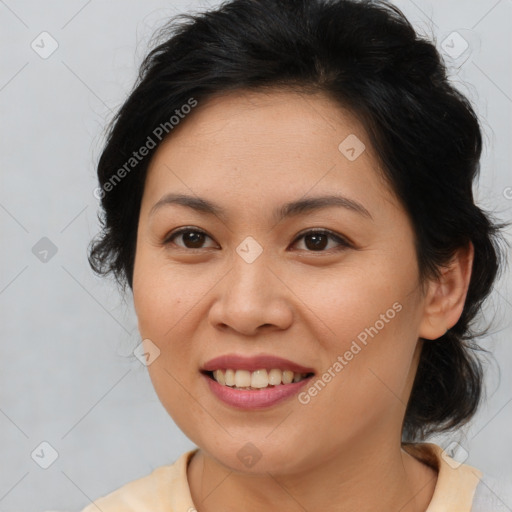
(257, 457)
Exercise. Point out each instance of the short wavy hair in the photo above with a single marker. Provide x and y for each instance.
(366, 57)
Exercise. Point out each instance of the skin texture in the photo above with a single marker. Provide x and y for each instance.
(250, 152)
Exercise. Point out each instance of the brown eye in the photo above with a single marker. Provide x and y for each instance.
(317, 240)
(314, 240)
(191, 238)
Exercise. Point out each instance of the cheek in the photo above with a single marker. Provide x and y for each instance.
(370, 319)
(354, 299)
(163, 300)
(163, 295)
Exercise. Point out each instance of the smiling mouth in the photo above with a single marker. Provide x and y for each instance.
(259, 379)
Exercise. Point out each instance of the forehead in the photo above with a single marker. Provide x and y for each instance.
(271, 117)
(248, 144)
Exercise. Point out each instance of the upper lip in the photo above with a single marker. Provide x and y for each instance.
(263, 361)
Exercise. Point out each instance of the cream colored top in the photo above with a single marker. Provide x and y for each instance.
(166, 488)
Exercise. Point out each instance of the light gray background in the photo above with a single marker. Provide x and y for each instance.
(66, 377)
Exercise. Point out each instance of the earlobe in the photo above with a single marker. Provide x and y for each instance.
(446, 295)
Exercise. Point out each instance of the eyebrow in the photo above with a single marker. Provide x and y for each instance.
(293, 208)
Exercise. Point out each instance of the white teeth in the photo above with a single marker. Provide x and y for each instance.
(259, 379)
(287, 377)
(256, 380)
(242, 379)
(229, 377)
(218, 375)
(274, 377)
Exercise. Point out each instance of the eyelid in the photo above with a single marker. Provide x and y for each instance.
(343, 241)
(168, 238)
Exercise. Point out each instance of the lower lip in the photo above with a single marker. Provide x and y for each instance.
(254, 399)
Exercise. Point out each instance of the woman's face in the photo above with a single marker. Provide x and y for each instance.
(250, 280)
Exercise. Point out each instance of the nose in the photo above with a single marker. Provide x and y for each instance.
(251, 298)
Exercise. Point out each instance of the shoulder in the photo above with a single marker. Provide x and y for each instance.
(164, 489)
(146, 490)
(460, 486)
(456, 482)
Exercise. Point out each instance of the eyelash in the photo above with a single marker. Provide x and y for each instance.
(344, 244)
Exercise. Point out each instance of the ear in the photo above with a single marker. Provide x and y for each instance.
(445, 295)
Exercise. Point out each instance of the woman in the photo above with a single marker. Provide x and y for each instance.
(287, 192)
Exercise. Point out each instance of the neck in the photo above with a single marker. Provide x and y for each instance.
(372, 477)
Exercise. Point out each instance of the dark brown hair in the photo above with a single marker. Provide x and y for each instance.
(367, 57)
